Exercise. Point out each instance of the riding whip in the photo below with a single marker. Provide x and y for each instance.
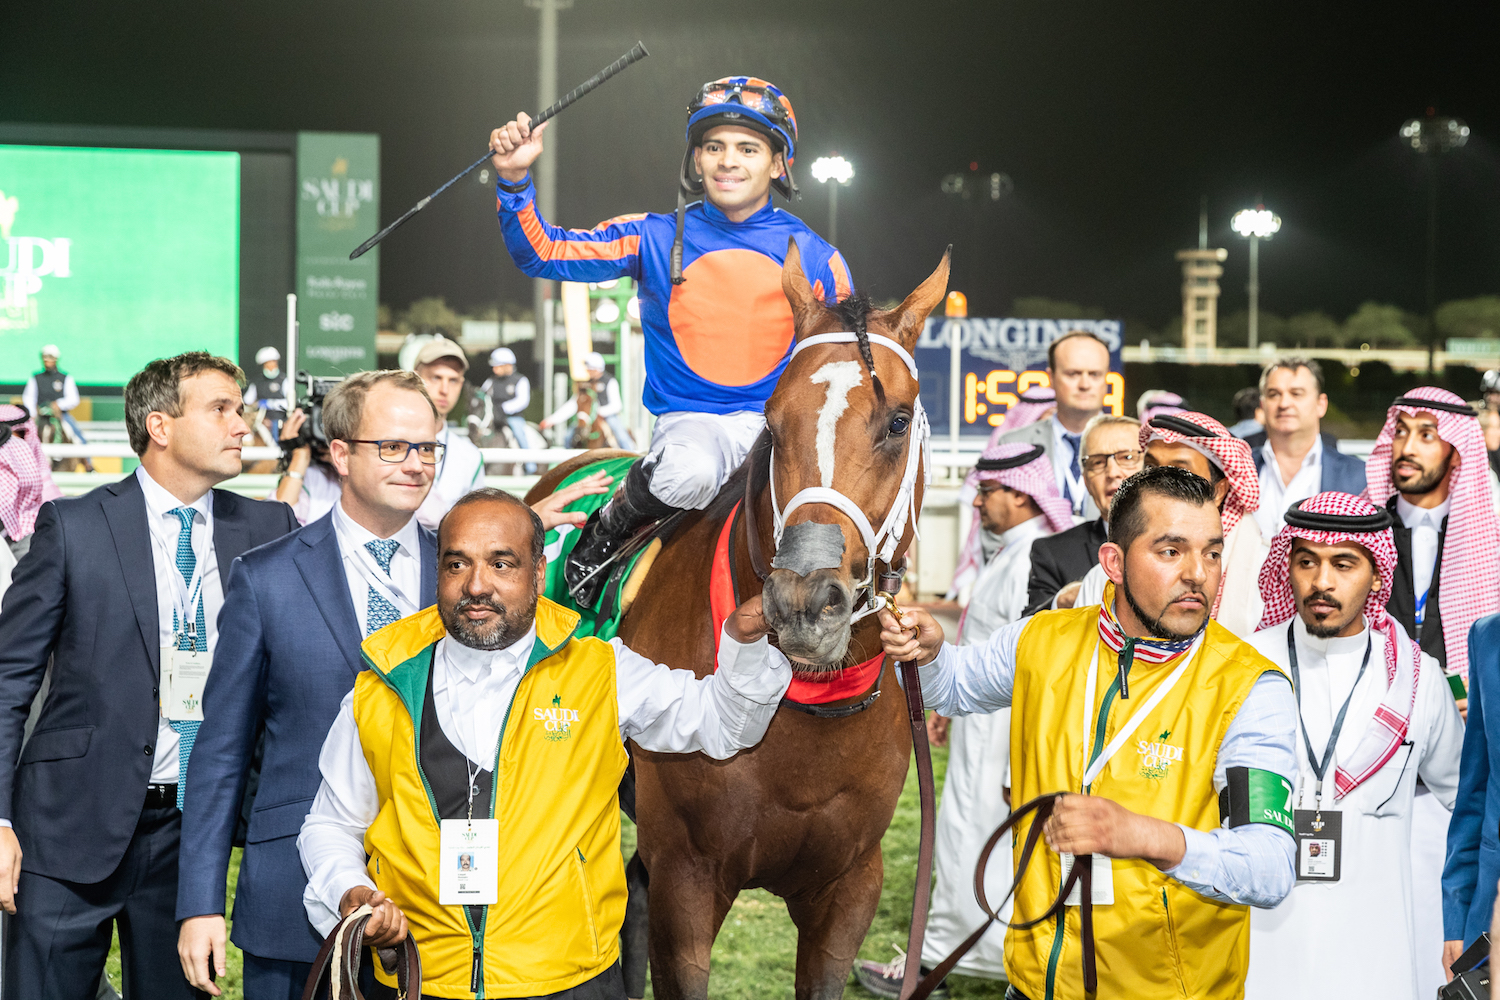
(636, 54)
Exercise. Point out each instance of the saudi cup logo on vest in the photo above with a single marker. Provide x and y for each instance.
(557, 721)
(1157, 756)
(337, 197)
(28, 259)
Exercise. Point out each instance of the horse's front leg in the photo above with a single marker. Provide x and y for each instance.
(688, 903)
(832, 920)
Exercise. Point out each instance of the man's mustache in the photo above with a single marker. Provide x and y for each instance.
(465, 603)
(1325, 596)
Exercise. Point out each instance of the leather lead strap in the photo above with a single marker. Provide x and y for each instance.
(1081, 874)
(911, 683)
(347, 941)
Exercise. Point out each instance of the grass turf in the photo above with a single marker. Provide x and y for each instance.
(755, 954)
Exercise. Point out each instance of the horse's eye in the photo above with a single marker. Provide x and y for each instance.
(899, 424)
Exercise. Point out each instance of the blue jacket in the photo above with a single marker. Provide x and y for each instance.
(1472, 869)
(85, 597)
(714, 344)
(1344, 473)
(288, 652)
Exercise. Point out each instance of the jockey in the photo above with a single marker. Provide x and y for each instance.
(718, 329)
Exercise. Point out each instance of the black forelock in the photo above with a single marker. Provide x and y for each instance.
(854, 313)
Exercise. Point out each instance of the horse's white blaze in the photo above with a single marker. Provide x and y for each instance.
(840, 377)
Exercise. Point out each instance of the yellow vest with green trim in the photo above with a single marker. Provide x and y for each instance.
(1159, 939)
(556, 778)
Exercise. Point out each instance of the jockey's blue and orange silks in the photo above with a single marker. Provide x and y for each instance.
(715, 343)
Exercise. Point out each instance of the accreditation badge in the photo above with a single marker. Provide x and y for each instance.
(469, 862)
(1103, 874)
(1319, 845)
(184, 673)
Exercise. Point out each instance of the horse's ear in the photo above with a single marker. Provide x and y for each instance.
(908, 318)
(795, 286)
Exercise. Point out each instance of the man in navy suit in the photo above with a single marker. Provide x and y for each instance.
(1294, 458)
(121, 589)
(295, 612)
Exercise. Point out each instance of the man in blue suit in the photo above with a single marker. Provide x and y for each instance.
(295, 612)
(121, 589)
(1294, 458)
(1472, 869)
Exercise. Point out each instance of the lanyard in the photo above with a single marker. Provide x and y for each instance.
(1096, 766)
(186, 595)
(382, 583)
(1338, 723)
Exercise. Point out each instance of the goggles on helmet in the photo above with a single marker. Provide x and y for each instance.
(758, 100)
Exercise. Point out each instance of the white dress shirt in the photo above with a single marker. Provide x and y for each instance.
(1276, 496)
(1425, 524)
(663, 710)
(1250, 864)
(405, 581)
(461, 470)
(165, 528)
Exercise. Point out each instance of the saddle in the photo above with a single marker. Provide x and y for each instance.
(337, 963)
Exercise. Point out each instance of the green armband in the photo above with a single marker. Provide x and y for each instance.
(1256, 796)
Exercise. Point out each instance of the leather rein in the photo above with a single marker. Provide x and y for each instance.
(338, 960)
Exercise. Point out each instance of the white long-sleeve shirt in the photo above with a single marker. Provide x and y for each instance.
(663, 710)
(405, 579)
(69, 400)
(1248, 864)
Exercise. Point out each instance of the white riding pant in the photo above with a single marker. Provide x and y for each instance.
(696, 453)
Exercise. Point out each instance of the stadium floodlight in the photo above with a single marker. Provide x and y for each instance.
(1255, 224)
(840, 171)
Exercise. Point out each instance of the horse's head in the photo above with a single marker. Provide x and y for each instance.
(847, 431)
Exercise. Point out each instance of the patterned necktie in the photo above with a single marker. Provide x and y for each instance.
(380, 612)
(187, 563)
(1074, 469)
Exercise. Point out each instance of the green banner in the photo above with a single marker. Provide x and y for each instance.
(338, 208)
(117, 257)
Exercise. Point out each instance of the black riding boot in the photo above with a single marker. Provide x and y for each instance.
(608, 528)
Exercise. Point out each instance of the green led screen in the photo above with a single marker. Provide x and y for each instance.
(117, 256)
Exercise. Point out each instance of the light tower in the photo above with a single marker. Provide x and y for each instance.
(1200, 292)
(834, 171)
(1432, 136)
(1255, 224)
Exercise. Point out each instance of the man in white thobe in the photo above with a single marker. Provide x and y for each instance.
(1347, 928)
(1017, 502)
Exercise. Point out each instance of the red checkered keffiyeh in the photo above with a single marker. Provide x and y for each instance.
(1470, 583)
(1034, 478)
(1403, 658)
(1229, 453)
(25, 475)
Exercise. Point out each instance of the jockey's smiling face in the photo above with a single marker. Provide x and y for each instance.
(737, 165)
(1330, 584)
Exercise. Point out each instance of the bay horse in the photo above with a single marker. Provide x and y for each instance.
(803, 813)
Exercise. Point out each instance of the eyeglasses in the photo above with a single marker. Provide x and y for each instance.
(1128, 461)
(395, 452)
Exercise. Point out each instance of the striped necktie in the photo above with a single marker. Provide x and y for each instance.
(187, 563)
(380, 612)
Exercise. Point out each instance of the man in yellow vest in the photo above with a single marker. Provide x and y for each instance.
(1179, 736)
(470, 779)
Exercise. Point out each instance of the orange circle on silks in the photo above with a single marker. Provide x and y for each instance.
(730, 319)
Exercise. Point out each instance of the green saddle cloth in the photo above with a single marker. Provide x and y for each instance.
(603, 620)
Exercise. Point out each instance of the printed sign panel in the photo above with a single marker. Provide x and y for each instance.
(116, 256)
(1000, 359)
(338, 208)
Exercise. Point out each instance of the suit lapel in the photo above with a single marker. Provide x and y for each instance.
(429, 567)
(125, 511)
(322, 568)
(1403, 602)
(231, 533)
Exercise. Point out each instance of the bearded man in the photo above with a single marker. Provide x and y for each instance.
(1187, 711)
(484, 727)
(1375, 713)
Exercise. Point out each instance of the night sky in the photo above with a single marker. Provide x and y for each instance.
(1112, 119)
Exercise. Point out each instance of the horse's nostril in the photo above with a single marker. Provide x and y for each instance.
(834, 598)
